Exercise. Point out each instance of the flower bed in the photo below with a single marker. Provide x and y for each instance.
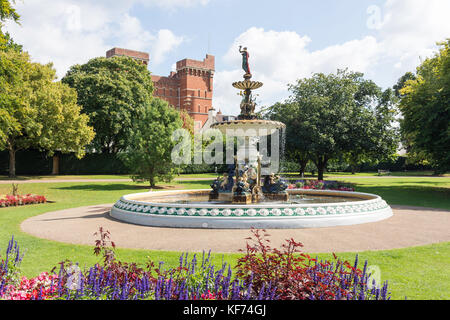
(262, 273)
(12, 201)
(321, 185)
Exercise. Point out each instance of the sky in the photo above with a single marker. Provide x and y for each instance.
(287, 39)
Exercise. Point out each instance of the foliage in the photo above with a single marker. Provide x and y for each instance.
(263, 273)
(337, 115)
(36, 111)
(114, 92)
(148, 155)
(19, 200)
(401, 83)
(425, 107)
(297, 276)
(321, 185)
(7, 12)
(10, 265)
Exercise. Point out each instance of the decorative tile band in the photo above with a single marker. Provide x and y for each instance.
(291, 211)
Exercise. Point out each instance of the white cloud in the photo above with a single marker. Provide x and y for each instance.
(68, 32)
(280, 58)
(404, 32)
(171, 4)
(165, 42)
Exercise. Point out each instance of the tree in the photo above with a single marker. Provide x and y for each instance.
(337, 115)
(37, 112)
(148, 155)
(401, 83)
(7, 12)
(297, 146)
(113, 92)
(425, 107)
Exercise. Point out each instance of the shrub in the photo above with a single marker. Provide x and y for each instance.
(262, 273)
(296, 276)
(11, 201)
(321, 185)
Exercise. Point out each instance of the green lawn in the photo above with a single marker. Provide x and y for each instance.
(69, 177)
(418, 273)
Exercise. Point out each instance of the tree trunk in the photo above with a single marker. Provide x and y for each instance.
(12, 163)
(321, 165)
(55, 169)
(303, 165)
(152, 182)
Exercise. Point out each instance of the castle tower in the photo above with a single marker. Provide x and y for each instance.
(190, 88)
(196, 86)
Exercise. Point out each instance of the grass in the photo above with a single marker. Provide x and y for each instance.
(68, 177)
(418, 273)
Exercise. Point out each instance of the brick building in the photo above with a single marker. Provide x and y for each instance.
(118, 52)
(189, 88)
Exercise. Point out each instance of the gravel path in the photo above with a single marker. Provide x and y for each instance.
(410, 226)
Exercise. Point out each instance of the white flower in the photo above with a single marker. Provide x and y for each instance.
(192, 212)
(171, 211)
(331, 210)
(340, 210)
(288, 212)
(348, 209)
(251, 212)
(181, 211)
(146, 209)
(162, 210)
(140, 208)
(264, 212)
(321, 211)
(226, 212)
(239, 212)
(311, 211)
(215, 212)
(203, 212)
(300, 211)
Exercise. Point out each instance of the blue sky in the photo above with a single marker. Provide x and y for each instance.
(217, 24)
(287, 39)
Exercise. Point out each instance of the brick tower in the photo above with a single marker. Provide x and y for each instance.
(190, 88)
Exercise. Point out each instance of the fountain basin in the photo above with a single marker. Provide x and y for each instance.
(190, 209)
(244, 127)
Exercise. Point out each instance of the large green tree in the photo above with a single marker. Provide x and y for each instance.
(425, 107)
(148, 154)
(36, 111)
(338, 115)
(114, 92)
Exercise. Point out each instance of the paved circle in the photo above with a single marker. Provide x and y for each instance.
(410, 226)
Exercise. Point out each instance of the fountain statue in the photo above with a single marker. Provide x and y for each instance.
(248, 195)
(248, 186)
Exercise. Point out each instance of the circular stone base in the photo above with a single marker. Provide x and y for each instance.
(409, 226)
(366, 208)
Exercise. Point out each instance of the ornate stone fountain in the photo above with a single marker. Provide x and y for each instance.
(248, 195)
(244, 182)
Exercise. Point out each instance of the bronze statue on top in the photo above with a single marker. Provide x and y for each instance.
(248, 103)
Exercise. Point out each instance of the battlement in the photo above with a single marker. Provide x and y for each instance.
(138, 55)
(207, 64)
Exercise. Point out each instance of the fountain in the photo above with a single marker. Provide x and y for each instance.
(248, 195)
